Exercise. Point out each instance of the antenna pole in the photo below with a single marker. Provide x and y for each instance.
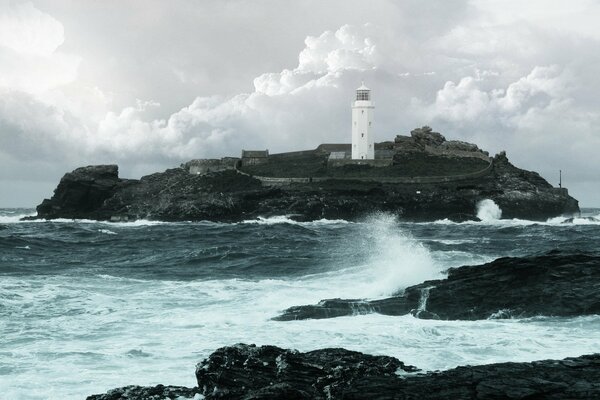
(560, 178)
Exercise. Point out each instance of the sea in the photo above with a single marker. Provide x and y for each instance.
(87, 306)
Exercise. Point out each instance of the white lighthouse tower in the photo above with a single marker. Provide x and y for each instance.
(363, 142)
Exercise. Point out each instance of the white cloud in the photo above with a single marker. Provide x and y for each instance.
(461, 102)
(29, 60)
(543, 88)
(25, 29)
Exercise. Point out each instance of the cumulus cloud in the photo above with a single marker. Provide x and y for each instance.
(464, 102)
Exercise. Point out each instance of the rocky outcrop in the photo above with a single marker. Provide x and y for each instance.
(82, 192)
(216, 191)
(158, 392)
(425, 136)
(236, 371)
(268, 372)
(554, 284)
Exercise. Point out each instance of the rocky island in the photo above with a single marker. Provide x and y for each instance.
(421, 177)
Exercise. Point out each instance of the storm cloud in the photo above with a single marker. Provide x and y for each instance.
(152, 85)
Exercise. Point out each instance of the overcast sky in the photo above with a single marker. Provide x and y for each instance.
(151, 84)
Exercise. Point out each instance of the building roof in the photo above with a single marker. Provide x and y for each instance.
(338, 155)
(330, 147)
(363, 87)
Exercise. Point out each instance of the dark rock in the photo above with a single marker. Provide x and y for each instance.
(238, 371)
(459, 145)
(554, 284)
(81, 193)
(426, 137)
(249, 372)
(159, 392)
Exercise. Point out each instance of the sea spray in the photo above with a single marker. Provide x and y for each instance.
(394, 259)
(488, 211)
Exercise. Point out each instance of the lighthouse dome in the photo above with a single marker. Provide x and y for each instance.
(363, 93)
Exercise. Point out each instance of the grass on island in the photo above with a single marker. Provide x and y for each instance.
(410, 164)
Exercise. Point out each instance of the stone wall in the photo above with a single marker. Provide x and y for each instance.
(340, 162)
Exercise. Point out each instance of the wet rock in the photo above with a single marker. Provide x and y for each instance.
(159, 392)
(268, 372)
(247, 371)
(554, 284)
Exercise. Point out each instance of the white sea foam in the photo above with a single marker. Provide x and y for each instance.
(89, 321)
(107, 231)
(556, 221)
(285, 219)
(488, 210)
(455, 241)
(394, 259)
(11, 219)
(574, 221)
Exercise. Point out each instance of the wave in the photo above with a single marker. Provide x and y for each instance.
(378, 257)
(285, 219)
(14, 218)
(556, 221)
(488, 210)
(10, 219)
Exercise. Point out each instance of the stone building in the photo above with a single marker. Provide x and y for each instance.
(254, 157)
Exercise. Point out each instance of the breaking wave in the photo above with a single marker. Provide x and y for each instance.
(488, 210)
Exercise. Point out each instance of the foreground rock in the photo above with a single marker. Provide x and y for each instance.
(159, 392)
(251, 373)
(428, 178)
(554, 284)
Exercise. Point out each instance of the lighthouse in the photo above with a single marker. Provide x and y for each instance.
(363, 142)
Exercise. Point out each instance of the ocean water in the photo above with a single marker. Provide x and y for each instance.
(88, 306)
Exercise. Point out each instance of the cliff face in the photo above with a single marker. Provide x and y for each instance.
(349, 192)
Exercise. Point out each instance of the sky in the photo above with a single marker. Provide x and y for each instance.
(150, 84)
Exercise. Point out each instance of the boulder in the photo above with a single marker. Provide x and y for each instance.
(426, 136)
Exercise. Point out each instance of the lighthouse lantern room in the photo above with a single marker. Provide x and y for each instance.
(363, 142)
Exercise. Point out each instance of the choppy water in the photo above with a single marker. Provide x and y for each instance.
(88, 306)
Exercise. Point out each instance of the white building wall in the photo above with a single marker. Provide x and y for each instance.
(363, 141)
